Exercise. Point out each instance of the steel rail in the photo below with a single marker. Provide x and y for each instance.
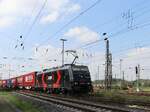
(77, 104)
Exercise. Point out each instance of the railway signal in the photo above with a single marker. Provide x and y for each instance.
(137, 71)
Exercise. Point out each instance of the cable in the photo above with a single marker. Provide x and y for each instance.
(35, 20)
(75, 19)
(137, 26)
(42, 32)
(130, 27)
(117, 33)
(32, 11)
(114, 19)
(72, 20)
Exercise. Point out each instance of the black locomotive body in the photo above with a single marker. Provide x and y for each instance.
(67, 78)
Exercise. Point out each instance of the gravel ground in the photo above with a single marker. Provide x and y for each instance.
(44, 106)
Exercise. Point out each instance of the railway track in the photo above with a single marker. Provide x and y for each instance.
(76, 105)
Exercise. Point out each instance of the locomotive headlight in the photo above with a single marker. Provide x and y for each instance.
(88, 83)
(75, 83)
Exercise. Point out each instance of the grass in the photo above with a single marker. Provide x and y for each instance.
(147, 89)
(24, 106)
(121, 96)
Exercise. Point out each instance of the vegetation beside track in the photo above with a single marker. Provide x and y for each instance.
(23, 106)
(122, 97)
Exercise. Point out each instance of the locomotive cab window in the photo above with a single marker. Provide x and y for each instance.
(81, 73)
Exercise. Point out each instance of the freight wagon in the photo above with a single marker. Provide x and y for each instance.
(4, 83)
(1, 83)
(14, 83)
(20, 82)
(29, 80)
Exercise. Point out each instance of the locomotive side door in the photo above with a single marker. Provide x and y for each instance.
(49, 79)
(65, 80)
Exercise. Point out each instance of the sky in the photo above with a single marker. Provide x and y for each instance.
(41, 25)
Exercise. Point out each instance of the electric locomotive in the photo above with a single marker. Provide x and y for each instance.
(67, 78)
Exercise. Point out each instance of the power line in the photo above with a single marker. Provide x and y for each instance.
(32, 12)
(35, 20)
(70, 23)
(132, 20)
(122, 31)
(137, 26)
(115, 18)
(77, 17)
(131, 48)
(119, 32)
(42, 33)
(74, 19)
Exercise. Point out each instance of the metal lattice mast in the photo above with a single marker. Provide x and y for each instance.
(108, 66)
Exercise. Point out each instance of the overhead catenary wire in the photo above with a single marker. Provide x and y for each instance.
(133, 19)
(115, 35)
(107, 22)
(81, 14)
(122, 31)
(26, 23)
(134, 9)
(43, 33)
(71, 21)
(35, 20)
(119, 32)
(32, 13)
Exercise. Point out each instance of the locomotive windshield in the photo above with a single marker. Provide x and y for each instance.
(81, 73)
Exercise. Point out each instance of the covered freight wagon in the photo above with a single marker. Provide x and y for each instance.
(8, 83)
(0, 83)
(14, 83)
(4, 83)
(20, 82)
(29, 80)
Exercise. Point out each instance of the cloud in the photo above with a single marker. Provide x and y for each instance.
(57, 9)
(5, 21)
(82, 34)
(13, 10)
(50, 18)
(138, 51)
(131, 59)
(18, 9)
